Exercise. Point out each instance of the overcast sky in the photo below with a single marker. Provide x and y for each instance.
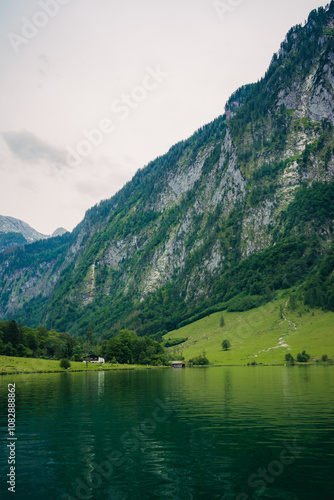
(92, 90)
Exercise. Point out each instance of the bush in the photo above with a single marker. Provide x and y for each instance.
(324, 358)
(8, 350)
(199, 361)
(64, 363)
(174, 342)
(303, 357)
(289, 359)
(245, 303)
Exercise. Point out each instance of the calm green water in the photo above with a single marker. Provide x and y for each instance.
(225, 433)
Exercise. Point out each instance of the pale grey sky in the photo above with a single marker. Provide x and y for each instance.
(92, 90)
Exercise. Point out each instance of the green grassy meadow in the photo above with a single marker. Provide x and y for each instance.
(10, 364)
(259, 335)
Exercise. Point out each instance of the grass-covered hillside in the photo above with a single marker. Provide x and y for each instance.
(264, 335)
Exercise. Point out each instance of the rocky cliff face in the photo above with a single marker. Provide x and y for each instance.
(190, 218)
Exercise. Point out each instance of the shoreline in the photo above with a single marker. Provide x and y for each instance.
(139, 367)
(92, 370)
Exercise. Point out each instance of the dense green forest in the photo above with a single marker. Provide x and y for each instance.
(18, 340)
(127, 347)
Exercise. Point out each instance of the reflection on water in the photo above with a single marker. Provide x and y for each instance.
(225, 433)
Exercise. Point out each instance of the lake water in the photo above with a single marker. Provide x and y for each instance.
(213, 433)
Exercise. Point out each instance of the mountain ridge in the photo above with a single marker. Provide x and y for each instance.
(12, 225)
(239, 210)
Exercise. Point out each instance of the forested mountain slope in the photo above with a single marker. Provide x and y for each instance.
(241, 209)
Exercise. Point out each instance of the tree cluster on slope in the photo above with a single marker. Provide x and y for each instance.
(127, 347)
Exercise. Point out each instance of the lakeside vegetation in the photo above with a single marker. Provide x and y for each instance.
(265, 335)
(126, 347)
(18, 365)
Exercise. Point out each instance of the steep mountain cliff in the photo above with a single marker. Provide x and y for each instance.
(241, 209)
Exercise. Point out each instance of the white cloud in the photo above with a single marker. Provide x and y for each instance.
(44, 193)
(29, 148)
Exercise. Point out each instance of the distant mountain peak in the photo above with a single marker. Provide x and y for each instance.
(59, 232)
(15, 232)
(12, 225)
